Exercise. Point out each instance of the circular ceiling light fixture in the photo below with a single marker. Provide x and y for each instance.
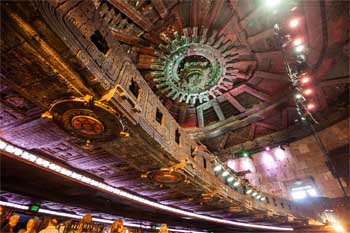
(194, 68)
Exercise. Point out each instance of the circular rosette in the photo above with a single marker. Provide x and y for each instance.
(166, 176)
(87, 119)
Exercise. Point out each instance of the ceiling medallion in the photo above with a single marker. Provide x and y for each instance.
(192, 69)
(86, 118)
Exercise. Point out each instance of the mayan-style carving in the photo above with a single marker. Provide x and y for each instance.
(193, 68)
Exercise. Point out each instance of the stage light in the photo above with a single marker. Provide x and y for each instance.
(338, 228)
(230, 179)
(305, 80)
(249, 191)
(262, 198)
(299, 48)
(244, 153)
(258, 197)
(308, 91)
(235, 184)
(297, 41)
(254, 194)
(267, 148)
(298, 96)
(217, 168)
(225, 173)
(310, 106)
(293, 23)
(271, 3)
(303, 118)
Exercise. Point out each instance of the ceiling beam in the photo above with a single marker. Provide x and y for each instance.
(160, 8)
(132, 14)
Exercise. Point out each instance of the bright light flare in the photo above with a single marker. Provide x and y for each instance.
(298, 96)
(225, 173)
(217, 168)
(299, 48)
(338, 228)
(272, 3)
(311, 106)
(305, 80)
(297, 41)
(267, 148)
(293, 23)
(308, 91)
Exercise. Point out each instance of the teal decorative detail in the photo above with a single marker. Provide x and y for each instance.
(193, 68)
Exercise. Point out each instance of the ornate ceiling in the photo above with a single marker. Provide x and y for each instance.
(214, 65)
(217, 68)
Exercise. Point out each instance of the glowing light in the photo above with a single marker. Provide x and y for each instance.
(298, 96)
(44, 163)
(254, 194)
(262, 198)
(267, 160)
(308, 91)
(267, 148)
(297, 41)
(310, 106)
(13, 205)
(230, 179)
(249, 191)
(280, 154)
(2, 145)
(312, 192)
(338, 228)
(217, 168)
(235, 184)
(293, 23)
(258, 197)
(272, 3)
(305, 80)
(297, 195)
(299, 48)
(225, 173)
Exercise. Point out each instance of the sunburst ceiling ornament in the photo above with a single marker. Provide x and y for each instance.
(194, 68)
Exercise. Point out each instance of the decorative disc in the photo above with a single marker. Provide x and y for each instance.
(167, 177)
(90, 120)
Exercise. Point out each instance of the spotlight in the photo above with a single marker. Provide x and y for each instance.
(230, 179)
(303, 118)
(249, 191)
(258, 197)
(308, 91)
(267, 148)
(305, 80)
(225, 173)
(254, 194)
(299, 48)
(262, 198)
(272, 3)
(297, 41)
(217, 168)
(298, 96)
(310, 106)
(293, 23)
(235, 184)
(338, 228)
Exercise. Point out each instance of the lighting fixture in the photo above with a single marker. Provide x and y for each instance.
(267, 148)
(244, 153)
(230, 179)
(338, 228)
(297, 41)
(122, 194)
(299, 48)
(217, 168)
(293, 23)
(298, 96)
(308, 91)
(225, 173)
(262, 198)
(305, 80)
(310, 106)
(249, 191)
(258, 197)
(272, 3)
(254, 194)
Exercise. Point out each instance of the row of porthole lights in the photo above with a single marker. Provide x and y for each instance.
(229, 178)
(46, 164)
